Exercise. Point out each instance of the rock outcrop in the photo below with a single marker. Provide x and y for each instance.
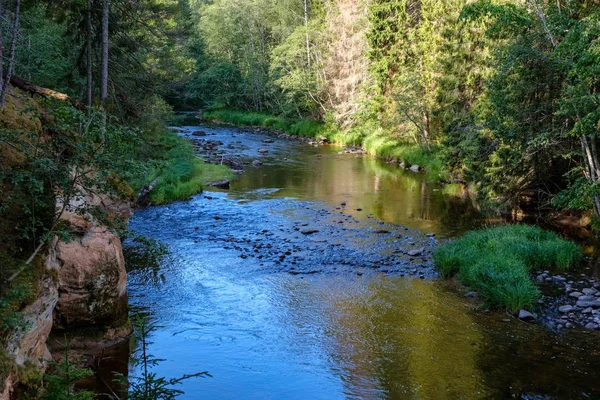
(28, 346)
(85, 287)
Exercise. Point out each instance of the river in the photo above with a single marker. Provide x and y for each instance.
(299, 283)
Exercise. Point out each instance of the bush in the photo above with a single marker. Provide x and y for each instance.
(497, 261)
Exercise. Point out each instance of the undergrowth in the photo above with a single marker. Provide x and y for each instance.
(302, 127)
(497, 262)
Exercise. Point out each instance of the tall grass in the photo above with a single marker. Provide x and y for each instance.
(302, 127)
(496, 262)
(180, 173)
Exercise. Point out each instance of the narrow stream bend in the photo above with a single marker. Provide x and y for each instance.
(303, 282)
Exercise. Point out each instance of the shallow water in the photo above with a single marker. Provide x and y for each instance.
(272, 313)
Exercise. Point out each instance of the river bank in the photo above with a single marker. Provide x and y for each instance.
(406, 156)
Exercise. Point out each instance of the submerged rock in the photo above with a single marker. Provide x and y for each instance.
(224, 184)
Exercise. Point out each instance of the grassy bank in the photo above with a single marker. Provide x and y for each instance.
(180, 173)
(496, 262)
(376, 143)
(302, 127)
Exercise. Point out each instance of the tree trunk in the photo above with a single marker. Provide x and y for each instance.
(1, 45)
(104, 77)
(32, 88)
(542, 17)
(11, 61)
(592, 162)
(88, 17)
(425, 130)
(306, 34)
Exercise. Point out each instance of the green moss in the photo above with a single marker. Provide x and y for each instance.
(496, 262)
(103, 306)
(29, 377)
(7, 366)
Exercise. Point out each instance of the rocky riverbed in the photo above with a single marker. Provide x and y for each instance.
(575, 301)
(318, 264)
(395, 251)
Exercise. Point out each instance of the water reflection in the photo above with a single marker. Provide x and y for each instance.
(404, 340)
(390, 194)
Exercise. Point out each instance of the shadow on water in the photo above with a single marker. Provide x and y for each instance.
(273, 313)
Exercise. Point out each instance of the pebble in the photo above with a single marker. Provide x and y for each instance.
(414, 253)
(585, 304)
(565, 309)
(525, 315)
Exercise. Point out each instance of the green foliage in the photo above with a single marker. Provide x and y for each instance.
(496, 262)
(148, 385)
(180, 174)
(81, 156)
(44, 53)
(11, 301)
(302, 127)
(60, 384)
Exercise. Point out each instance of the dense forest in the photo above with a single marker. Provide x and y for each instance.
(502, 94)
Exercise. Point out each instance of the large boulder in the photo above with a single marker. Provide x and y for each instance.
(91, 277)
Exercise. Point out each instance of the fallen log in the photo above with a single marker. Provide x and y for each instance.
(32, 88)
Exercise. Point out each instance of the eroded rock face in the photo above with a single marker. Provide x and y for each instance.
(28, 345)
(91, 277)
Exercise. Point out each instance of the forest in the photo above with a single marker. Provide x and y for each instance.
(501, 97)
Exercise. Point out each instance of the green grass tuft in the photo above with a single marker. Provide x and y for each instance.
(496, 262)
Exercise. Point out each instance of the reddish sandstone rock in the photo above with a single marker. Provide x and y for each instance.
(91, 277)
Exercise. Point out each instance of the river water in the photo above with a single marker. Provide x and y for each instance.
(298, 283)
